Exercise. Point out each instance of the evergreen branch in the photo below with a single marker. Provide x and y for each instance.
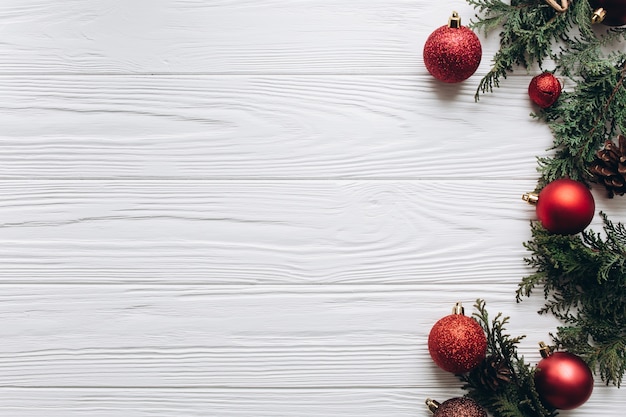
(582, 120)
(587, 48)
(584, 280)
(530, 29)
(513, 392)
(583, 277)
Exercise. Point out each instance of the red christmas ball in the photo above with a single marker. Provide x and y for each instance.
(609, 12)
(563, 380)
(565, 207)
(544, 89)
(456, 407)
(457, 343)
(452, 53)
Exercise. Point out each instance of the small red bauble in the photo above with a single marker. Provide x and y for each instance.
(456, 407)
(544, 89)
(609, 12)
(457, 343)
(452, 53)
(564, 206)
(562, 379)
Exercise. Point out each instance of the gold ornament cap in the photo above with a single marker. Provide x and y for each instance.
(454, 21)
(458, 309)
(530, 198)
(432, 405)
(544, 350)
(598, 15)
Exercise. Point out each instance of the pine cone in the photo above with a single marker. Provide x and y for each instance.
(494, 372)
(609, 167)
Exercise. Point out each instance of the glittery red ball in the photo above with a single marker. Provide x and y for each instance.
(452, 54)
(544, 89)
(565, 207)
(457, 343)
(563, 380)
(460, 407)
(615, 11)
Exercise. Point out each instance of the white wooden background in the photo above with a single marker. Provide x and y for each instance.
(251, 208)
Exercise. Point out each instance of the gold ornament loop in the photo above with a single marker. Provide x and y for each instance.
(558, 7)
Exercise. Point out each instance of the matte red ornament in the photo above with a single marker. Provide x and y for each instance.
(456, 407)
(544, 89)
(457, 343)
(564, 206)
(453, 52)
(563, 380)
(609, 12)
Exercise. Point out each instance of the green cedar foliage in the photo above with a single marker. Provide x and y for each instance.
(583, 119)
(515, 398)
(529, 31)
(583, 277)
(584, 283)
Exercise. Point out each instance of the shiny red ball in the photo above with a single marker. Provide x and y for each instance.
(565, 207)
(615, 11)
(457, 343)
(452, 54)
(563, 380)
(544, 89)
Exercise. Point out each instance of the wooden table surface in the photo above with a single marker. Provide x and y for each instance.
(254, 208)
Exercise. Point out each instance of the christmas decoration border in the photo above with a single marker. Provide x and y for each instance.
(583, 275)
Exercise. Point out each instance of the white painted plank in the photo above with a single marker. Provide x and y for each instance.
(267, 232)
(233, 36)
(254, 336)
(214, 402)
(238, 403)
(95, 344)
(264, 231)
(264, 126)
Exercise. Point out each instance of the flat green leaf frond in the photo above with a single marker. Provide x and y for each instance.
(583, 119)
(582, 277)
(530, 29)
(515, 398)
(584, 282)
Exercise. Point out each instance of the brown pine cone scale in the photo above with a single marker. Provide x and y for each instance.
(609, 167)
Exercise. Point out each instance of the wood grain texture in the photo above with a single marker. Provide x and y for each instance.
(265, 232)
(280, 336)
(240, 208)
(226, 36)
(97, 344)
(129, 402)
(270, 127)
(189, 402)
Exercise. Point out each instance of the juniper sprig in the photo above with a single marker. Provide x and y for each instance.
(583, 119)
(530, 29)
(583, 276)
(584, 284)
(518, 396)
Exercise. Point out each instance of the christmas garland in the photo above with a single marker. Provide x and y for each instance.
(582, 273)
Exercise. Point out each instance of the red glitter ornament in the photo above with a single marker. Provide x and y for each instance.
(564, 206)
(609, 12)
(563, 380)
(457, 343)
(544, 89)
(453, 52)
(456, 407)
